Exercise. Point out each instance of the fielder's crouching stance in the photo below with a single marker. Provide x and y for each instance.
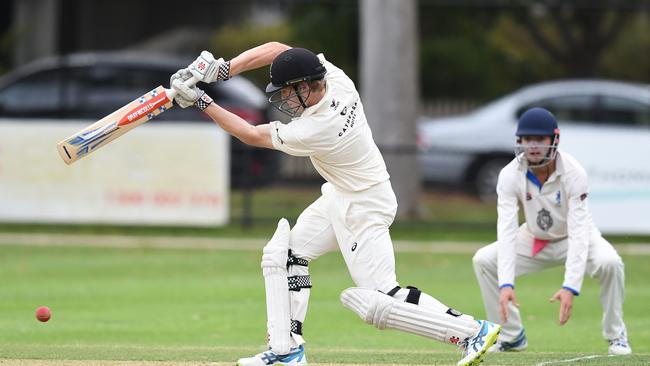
(354, 212)
(551, 188)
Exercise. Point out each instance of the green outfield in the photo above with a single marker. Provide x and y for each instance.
(206, 306)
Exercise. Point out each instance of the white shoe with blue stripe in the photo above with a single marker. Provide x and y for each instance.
(475, 347)
(518, 344)
(296, 357)
(619, 346)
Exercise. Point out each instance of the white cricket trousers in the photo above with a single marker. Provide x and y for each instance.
(355, 222)
(603, 262)
(358, 224)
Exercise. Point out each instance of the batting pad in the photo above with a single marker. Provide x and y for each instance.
(383, 312)
(274, 269)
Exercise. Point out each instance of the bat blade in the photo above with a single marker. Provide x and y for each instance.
(115, 125)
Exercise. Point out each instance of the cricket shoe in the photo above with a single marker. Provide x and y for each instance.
(517, 345)
(295, 357)
(475, 346)
(619, 346)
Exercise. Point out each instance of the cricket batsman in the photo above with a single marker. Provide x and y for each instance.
(353, 214)
(551, 186)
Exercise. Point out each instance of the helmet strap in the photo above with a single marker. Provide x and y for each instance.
(300, 98)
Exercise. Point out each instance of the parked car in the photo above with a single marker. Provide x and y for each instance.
(90, 86)
(470, 150)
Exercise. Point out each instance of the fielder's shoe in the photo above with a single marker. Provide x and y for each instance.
(619, 346)
(296, 357)
(475, 347)
(518, 344)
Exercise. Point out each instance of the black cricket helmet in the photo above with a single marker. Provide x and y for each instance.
(290, 68)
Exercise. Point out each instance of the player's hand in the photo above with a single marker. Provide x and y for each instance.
(182, 74)
(566, 304)
(208, 69)
(185, 96)
(507, 295)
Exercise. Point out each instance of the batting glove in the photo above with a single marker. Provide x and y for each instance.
(187, 96)
(209, 70)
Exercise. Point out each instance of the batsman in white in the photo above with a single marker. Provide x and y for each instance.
(354, 212)
(551, 186)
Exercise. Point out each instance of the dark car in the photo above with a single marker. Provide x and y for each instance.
(90, 86)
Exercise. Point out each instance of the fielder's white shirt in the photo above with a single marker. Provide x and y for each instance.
(335, 135)
(557, 210)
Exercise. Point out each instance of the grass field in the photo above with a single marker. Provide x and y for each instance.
(153, 306)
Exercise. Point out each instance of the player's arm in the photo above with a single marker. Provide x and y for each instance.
(187, 96)
(208, 69)
(256, 57)
(259, 135)
(507, 225)
(578, 225)
(578, 244)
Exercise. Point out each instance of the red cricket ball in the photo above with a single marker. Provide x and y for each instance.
(43, 313)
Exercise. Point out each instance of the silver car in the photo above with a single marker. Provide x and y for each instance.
(470, 150)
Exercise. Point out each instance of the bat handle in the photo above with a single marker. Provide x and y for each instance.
(171, 93)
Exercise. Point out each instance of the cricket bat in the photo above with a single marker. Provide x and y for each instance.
(118, 123)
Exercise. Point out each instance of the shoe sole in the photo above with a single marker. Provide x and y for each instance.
(478, 358)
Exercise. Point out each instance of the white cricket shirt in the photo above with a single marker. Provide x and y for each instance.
(335, 135)
(557, 210)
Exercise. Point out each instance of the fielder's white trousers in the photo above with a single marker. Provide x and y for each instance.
(603, 262)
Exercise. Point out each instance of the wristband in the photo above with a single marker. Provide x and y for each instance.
(224, 71)
(203, 102)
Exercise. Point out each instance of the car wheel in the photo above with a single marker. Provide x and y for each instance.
(485, 180)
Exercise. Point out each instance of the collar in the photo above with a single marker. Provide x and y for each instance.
(559, 170)
(311, 110)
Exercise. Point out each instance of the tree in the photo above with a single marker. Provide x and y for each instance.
(575, 38)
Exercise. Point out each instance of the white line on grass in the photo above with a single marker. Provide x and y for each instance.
(571, 360)
(192, 242)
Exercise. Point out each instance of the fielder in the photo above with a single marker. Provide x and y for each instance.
(354, 212)
(551, 186)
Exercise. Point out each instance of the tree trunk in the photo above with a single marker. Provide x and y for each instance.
(389, 82)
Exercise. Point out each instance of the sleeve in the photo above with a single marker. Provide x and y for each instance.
(285, 137)
(507, 224)
(578, 224)
(329, 67)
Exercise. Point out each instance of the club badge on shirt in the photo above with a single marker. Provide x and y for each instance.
(544, 219)
(558, 199)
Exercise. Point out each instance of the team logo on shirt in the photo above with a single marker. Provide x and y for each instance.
(558, 199)
(334, 105)
(544, 219)
(350, 119)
